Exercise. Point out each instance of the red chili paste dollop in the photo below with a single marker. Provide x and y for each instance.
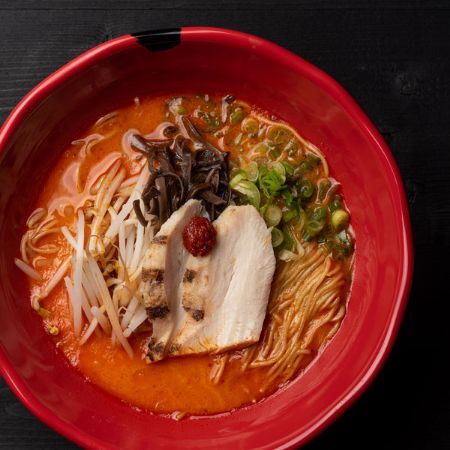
(199, 236)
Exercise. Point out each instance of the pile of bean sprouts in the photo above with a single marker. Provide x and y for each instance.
(103, 269)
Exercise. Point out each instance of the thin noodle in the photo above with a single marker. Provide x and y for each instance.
(218, 368)
(306, 298)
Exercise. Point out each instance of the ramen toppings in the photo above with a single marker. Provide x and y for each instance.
(208, 297)
(199, 236)
(195, 226)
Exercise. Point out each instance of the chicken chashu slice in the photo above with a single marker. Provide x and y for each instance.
(163, 268)
(225, 294)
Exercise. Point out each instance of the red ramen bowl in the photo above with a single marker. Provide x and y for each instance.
(205, 60)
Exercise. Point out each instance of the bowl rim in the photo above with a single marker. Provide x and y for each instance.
(318, 77)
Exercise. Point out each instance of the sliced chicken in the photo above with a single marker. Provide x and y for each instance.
(195, 286)
(162, 274)
(217, 302)
(226, 293)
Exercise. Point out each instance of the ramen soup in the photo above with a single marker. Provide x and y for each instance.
(189, 254)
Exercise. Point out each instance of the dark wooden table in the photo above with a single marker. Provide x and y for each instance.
(394, 59)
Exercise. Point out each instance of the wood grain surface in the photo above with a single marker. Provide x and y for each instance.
(393, 58)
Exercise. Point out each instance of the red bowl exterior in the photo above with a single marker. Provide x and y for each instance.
(205, 60)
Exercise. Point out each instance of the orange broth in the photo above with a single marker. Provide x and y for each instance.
(178, 384)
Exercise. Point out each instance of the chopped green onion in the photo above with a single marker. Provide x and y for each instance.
(238, 176)
(262, 210)
(213, 122)
(249, 191)
(289, 215)
(270, 181)
(289, 241)
(313, 227)
(288, 168)
(288, 197)
(304, 167)
(336, 203)
(306, 189)
(237, 116)
(250, 125)
(345, 238)
(343, 243)
(273, 215)
(319, 213)
(251, 171)
(324, 186)
(181, 110)
(274, 152)
(313, 160)
(310, 162)
(339, 219)
(280, 170)
(261, 148)
(263, 171)
(277, 237)
(278, 134)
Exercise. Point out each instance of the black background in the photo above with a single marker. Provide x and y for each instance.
(394, 59)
